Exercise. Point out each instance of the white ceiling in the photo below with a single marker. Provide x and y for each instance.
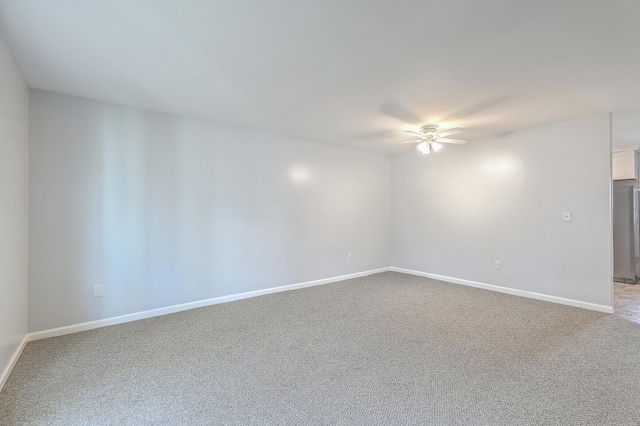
(347, 72)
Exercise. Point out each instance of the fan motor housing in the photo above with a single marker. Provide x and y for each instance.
(429, 129)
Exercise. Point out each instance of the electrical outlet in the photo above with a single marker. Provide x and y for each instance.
(497, 264)
(348, 256)
(98, 290)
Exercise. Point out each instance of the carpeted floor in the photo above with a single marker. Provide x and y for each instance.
(384, 349)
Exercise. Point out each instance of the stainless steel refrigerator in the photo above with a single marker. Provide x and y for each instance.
(625, 230)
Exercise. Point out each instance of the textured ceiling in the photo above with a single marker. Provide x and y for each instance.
(346, 72)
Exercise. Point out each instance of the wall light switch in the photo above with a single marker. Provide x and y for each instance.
(497, 264)
(566, 216)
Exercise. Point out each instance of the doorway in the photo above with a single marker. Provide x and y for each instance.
(626, 231)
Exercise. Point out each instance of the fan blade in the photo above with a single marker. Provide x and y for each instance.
(400, 143)
(450, 132)
(415, 133)
(455, 141)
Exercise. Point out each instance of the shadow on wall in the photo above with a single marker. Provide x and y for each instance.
(176, 222)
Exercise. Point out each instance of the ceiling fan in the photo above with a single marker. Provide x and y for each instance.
(430, 140)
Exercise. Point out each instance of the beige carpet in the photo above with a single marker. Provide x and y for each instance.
(384, 349)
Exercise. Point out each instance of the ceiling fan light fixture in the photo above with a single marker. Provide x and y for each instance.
(430, 141)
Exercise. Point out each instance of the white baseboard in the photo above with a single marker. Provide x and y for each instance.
(186, 306)
(216, 300)
(515, 292)
(12, 362)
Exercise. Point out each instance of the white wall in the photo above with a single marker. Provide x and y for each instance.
(14, 116)
(165, 210)
(625, 128)
(502, 198)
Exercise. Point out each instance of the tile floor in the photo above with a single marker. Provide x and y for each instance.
(626, 301)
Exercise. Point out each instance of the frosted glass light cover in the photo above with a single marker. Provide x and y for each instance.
(424, 148)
